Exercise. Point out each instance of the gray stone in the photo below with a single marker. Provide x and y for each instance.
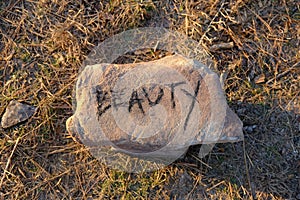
(15, 113)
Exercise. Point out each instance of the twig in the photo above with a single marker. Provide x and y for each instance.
(8, 162)
(197, 158)
(283, 73)
(214, 186)
(210, 24)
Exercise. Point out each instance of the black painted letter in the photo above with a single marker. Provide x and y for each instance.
(135, 99)
(158, 99)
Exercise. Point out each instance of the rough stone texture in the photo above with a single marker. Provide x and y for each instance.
(202, 102)
(15, 113)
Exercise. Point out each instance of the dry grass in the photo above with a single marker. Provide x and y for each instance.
(43, 43)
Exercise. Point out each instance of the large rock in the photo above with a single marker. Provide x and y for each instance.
(152, 109)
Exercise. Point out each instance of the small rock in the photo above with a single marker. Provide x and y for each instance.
(250, 129)
(15, 113)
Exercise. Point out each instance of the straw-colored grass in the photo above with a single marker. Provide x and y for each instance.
(43, 44)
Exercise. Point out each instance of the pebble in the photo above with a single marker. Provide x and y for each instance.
(250, 129)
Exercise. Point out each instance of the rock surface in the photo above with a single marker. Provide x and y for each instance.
(15, 113)
(155, 108)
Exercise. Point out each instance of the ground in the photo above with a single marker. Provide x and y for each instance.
(43, 44)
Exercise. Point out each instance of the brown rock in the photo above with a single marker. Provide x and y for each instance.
(157, 108)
